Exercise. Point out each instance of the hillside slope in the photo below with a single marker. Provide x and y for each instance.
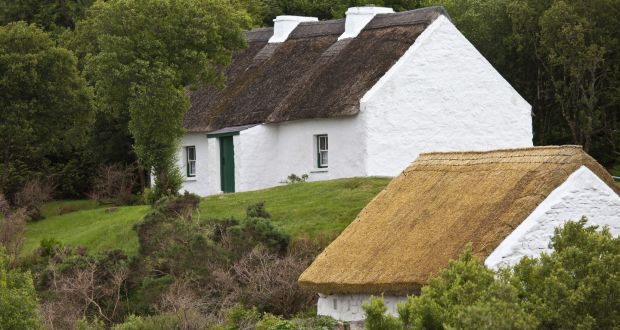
(303, 209)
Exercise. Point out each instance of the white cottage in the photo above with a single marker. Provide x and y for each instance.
(507, 203)
(360, 96)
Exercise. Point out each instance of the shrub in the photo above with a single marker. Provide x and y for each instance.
(257, 211)
(114, 184)
(376, 318)
(156, 322)
(32, 196)
(576, 286)
(12, 228)
(253, 231)
(81, 285)
(294, 178)
(269, 282)
(467, 294)
(18, 301)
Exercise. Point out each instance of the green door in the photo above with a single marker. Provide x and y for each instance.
(227, 164)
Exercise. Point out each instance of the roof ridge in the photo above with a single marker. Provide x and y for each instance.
(497, 151)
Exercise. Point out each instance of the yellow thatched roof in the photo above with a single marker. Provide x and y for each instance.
(427, 215)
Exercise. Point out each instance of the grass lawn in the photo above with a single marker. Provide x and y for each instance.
(66, 206)
(302, 210)
(95, 229)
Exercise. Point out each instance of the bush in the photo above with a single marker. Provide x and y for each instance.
(376, 318)
(294, 178)
(245, 235)
(18, 301)
(12, 228)
(156, 322)
(257, 211)
(32, 196)
(114, 184)
(269, 282)
(244, 318)
(576, 286)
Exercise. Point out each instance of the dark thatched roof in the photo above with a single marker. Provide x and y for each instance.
(310, 75)
(428, 214)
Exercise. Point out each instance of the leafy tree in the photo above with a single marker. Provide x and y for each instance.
(141, 55)
(18, 301)
(47, 14)
(45, 103)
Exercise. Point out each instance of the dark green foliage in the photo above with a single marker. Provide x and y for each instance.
(48, 14)
(140, 55)
(376, 319)
(172, 241)
(45, 106)
(155, 322)
(465, 295)
(577, 286)
(239, 317)
(257, 211)
(18, 300)
(252, 231)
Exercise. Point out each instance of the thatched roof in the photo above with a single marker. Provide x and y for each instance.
(310, 75)
(428, 214)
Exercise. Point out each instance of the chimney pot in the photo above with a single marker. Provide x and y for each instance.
(284, 25)
(358, 17)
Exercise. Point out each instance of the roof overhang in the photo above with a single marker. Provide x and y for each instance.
(229, 131)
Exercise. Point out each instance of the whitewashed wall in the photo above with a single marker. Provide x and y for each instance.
(265, 155)
(207, 179)
(442, 95)
(348, 307)
(582, 194)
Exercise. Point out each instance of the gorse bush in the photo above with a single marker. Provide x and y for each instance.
(376, 318)
(577, 286)
(18, 301)
(257, 211)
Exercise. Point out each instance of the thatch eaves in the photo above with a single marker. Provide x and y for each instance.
(310, 75)
(440, 203)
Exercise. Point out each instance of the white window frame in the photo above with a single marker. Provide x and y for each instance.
(322, 154)
(189, 162)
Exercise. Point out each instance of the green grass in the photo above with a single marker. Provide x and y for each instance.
(66, 206)
(303, 209)
(95, 229)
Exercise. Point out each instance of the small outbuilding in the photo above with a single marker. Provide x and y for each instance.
(507, 203)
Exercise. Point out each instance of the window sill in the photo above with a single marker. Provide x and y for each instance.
(190, 178)
(320, 170)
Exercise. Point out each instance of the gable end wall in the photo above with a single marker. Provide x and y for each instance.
(582, 194)
(442, 95)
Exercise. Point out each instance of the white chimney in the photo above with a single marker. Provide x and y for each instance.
(358, 17)
(284, 25)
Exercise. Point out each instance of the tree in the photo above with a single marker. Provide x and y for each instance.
(18, 301)
(46, 14)
(141, 56)
(45, 103)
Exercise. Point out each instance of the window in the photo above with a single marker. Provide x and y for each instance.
(190, 156)
(321, 147)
